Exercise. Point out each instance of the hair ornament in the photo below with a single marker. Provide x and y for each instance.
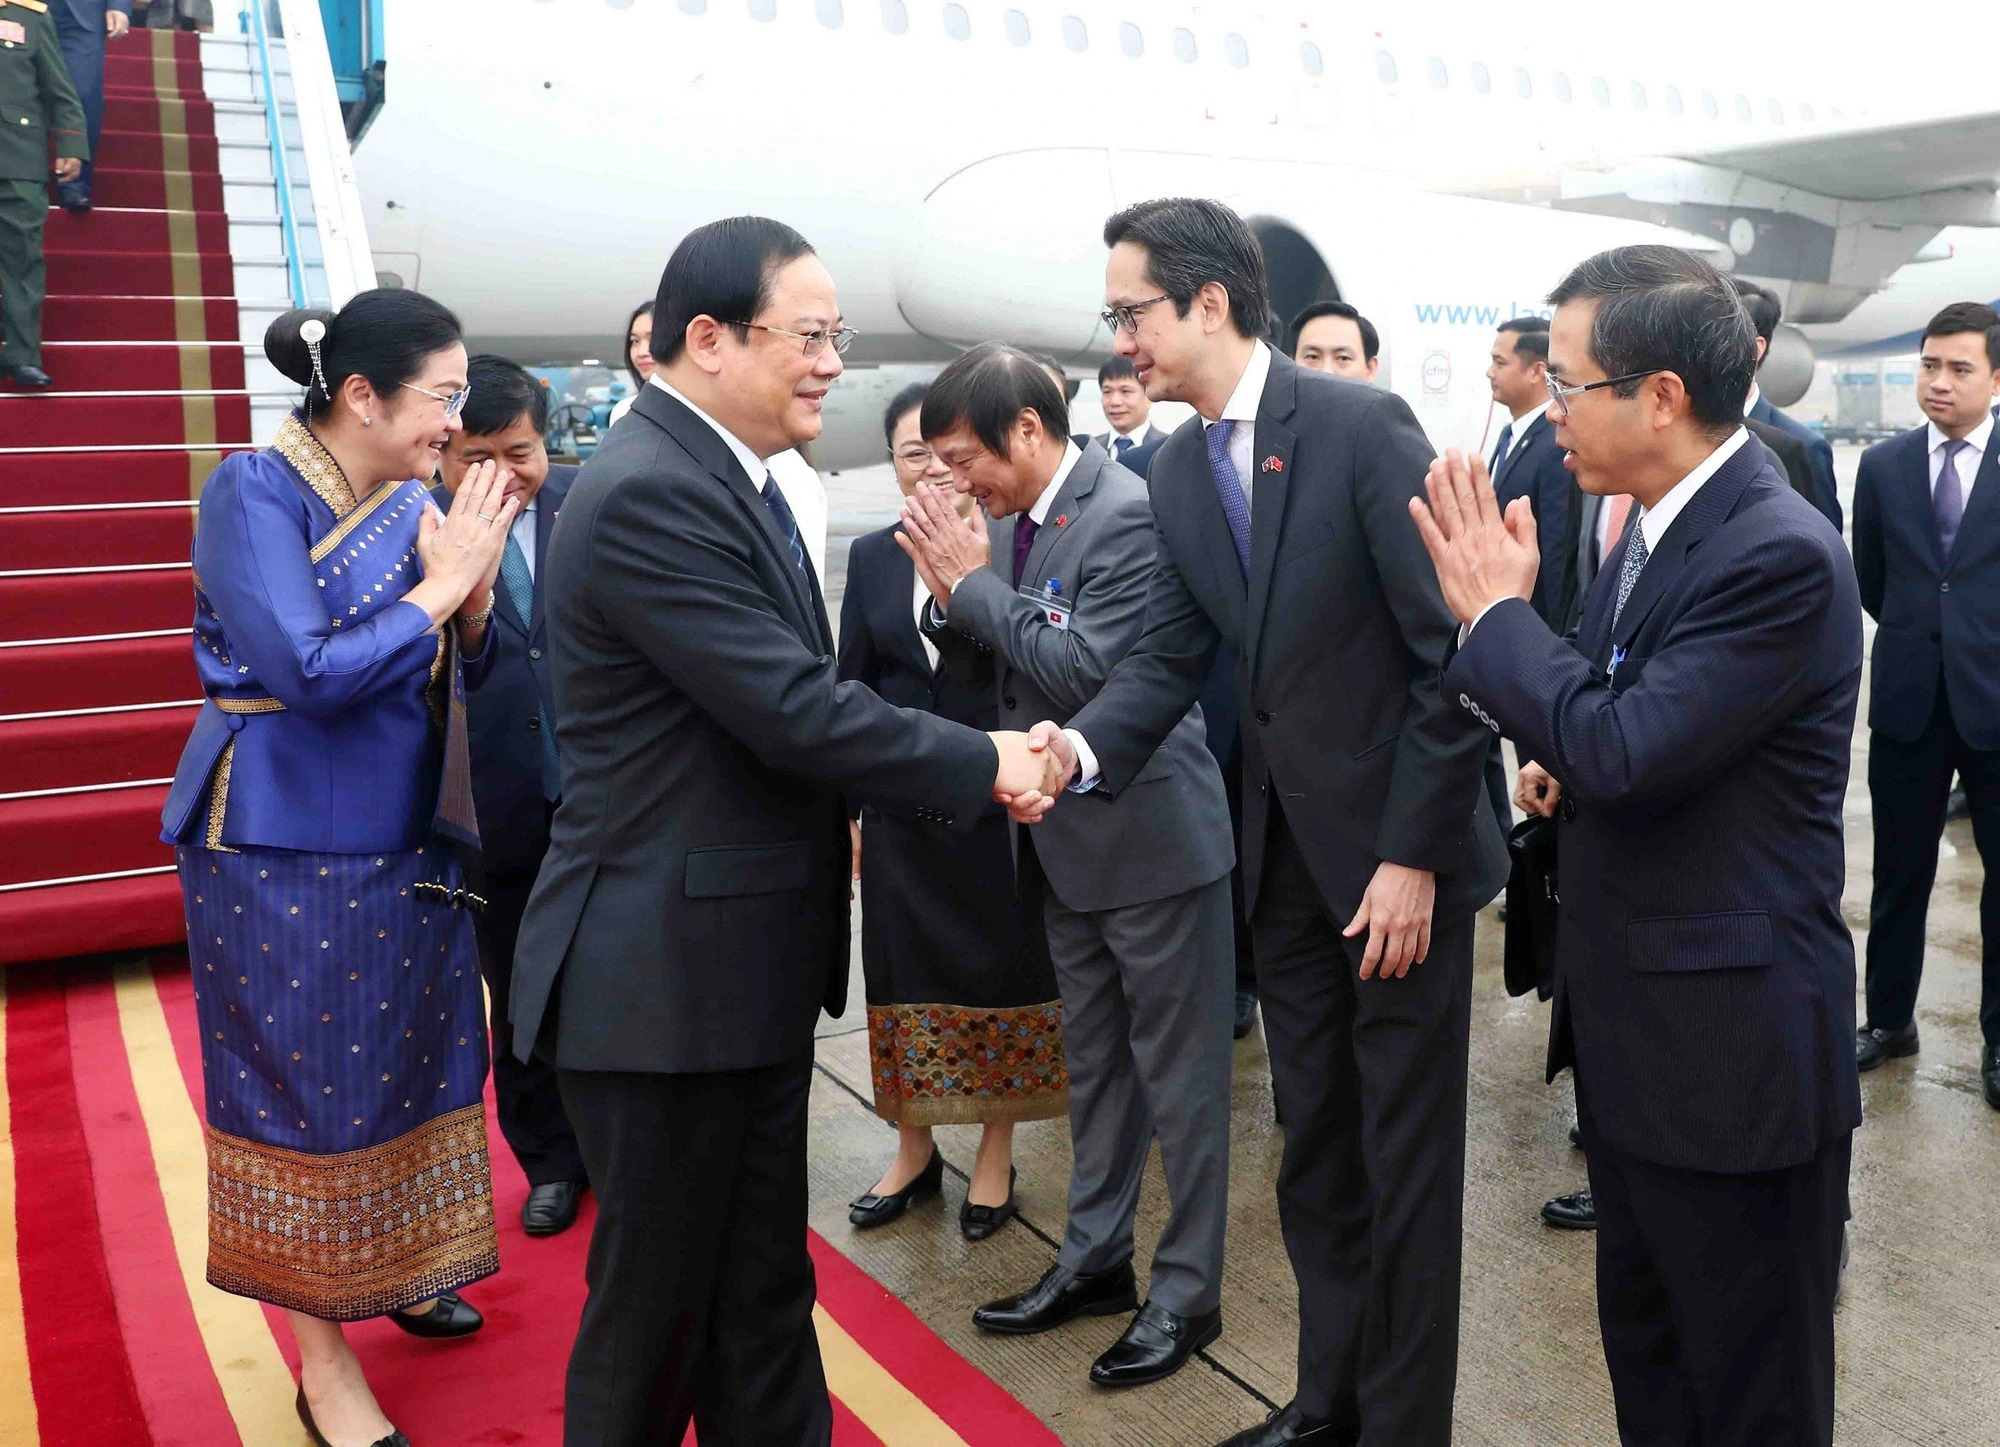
(312, 333)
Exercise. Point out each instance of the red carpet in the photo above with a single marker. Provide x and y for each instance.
(96, 516)
(108, 1335)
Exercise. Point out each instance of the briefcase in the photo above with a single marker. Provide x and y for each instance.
(1529, 960)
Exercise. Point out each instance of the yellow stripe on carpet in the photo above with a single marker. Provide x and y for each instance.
(885, 1406)
(256, 1383)
(18, 1422)
(190, 322)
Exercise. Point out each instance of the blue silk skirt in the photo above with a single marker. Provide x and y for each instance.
(343, 1051)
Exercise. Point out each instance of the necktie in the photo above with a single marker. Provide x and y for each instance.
(1120, 446)
(1617, 508)
(1229, 487)
(1948, 497)
(1500, 451)
(520, 586)
(1635, 564)
(1025, 528)
(787, 524)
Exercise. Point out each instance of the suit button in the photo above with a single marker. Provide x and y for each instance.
(1944, 587)
(1263, 715)
(1263, 788)
(534, 723)
(534, 653)
(1008, 700)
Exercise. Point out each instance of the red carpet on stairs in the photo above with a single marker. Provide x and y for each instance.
(109, 1334)
(96, 515)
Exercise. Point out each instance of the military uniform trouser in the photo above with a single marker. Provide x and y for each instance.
(24, 206)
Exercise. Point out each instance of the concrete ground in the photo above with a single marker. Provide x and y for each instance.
(1919, 1326)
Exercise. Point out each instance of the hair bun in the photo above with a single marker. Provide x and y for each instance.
(286, 345)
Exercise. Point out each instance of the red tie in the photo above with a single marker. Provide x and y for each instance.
(1617, 508)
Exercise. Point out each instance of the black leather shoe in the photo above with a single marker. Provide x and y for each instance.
(1058, 1297)
(1246, 1014)
(1989, 1074)
(394, 1439)
(1872, 1046)
(1154, 1345)
(551, 1210)
(869, 1209)
(452, 1316)
(1283, 1427)
(1955, 805)
(30, 377)
(1576, 1137)
(75, 197)
(1574, 1212)
(976, 1223)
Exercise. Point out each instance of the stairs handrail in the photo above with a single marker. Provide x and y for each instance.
(274, 124)
(343, 228)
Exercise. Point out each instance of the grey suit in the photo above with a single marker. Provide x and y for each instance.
(1137, 891)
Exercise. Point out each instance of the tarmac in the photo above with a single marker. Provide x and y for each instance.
(1918, 1326)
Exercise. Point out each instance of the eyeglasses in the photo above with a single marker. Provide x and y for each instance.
(914, 456)
(1126, 318)
(1559, 395)
(453, 405)
(815, 341)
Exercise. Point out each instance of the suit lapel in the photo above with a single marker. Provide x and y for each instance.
(1985, 497)
(899, 582)
(1915, 482)
(548, 502)
(1704, 512)
(1069, 504)
(1270, 487)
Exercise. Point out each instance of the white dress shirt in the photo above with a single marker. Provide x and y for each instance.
(1968, 462)
(803, 491)
(1517, 429)
(1242, 408)
(1755, 395)
(921, 602)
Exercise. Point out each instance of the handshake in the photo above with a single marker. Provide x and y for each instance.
(1035, 768)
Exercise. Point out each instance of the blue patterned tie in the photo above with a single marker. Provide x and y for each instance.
(520, 586)
(1229, 487)
(787, 524)
(1635, 564)
(1120, 446)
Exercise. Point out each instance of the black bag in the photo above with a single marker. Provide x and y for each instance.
(1529, 960)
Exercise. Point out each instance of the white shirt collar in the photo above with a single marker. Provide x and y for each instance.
(1655, 520)
(753, 465)
(1526, 420)
(1040, 511)
(1136, 433)
(1978, 437)
(1756, 395)
(1249, 394)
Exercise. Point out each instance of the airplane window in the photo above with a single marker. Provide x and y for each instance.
(1016, 26)
(1482, 79)
(1130, 40)
(1600, 90)
(1184, 46)
(1385, 67)
(1524, 84)
(829, 13)
(1777, 113)
(957, 24)
(694, 7)
(1311, 59)
(1237, 49)
(1674, 103)
(1562, 87)
(1805, 113)
(1638, 96)
(1439, 77)
(1708, 106)
(1743, 111)
(1074, 35)
(895, 17)
(766, 10)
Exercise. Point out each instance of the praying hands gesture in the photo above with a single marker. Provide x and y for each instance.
(1481, 557)
(944, 546)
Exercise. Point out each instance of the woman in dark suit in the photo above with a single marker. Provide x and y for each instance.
(964, 1019)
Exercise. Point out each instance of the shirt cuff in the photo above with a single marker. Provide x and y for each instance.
(1086, 763)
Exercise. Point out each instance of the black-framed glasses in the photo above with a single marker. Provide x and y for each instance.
(453, 405)
(1126, 318)
(815, 341)
(1559, 395)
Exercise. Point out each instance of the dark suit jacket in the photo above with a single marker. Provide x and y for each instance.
(1140, 458)
(1819, 454)
(1533, 468)
(1340, 634)
(1704, 985)
(504, 709)
(1788, 455)
(1937, 618)
(692, 912)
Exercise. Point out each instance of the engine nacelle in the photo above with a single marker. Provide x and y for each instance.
(1788, 367)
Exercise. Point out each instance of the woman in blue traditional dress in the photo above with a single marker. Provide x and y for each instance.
(342, 1038)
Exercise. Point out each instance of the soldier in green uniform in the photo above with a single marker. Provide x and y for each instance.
(36, 101)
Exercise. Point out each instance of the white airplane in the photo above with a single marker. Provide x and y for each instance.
(954, 162)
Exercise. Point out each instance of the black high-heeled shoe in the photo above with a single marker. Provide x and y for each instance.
(394, 1439)
(869, 1209)
(452, 1316)
(976, 1223)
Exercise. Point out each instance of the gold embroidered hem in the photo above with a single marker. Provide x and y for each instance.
(967, 1065)
(350, 1236)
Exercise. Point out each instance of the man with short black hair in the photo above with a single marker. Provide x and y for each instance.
(1331, 336)
(1283, 530)
(516, 778)
(1053, 582)
(1126, 408)
(1693, 742)
(1928, 557)
(1765, 313)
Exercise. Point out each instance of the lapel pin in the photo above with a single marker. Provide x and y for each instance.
(1272, 464)
(1062, 520)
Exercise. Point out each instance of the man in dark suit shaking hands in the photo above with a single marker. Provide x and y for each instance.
(1927, 552)
(1693, 741)
(690, 921)
(1283, 532)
